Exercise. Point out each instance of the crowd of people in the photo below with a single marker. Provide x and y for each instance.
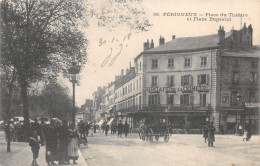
(61, 141)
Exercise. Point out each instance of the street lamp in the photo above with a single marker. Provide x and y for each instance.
(74, 77)
(239, 96)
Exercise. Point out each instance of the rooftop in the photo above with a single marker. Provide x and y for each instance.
(253, 52)
(188, 43)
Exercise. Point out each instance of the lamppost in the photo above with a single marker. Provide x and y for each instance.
(239, 96)
(74, 77)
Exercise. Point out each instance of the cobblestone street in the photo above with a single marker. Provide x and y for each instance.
(180, 150)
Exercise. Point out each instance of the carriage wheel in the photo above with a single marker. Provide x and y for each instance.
(150, 135)
(166, 137)
(157, 138)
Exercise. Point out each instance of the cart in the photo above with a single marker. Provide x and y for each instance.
(153, 130)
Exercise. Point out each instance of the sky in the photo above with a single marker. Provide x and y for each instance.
(93, 75)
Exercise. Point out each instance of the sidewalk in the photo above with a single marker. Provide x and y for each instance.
(24, 158)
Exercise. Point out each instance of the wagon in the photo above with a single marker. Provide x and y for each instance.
(152, 131)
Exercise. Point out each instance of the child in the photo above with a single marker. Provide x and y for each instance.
(35, 146)
(245, 136)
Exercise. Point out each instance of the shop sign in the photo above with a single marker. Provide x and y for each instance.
(252, 105)
(231, 118)
(175, 89)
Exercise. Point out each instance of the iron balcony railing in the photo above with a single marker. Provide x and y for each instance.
(166, 108)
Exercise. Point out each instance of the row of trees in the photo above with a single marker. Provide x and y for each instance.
(40, 38)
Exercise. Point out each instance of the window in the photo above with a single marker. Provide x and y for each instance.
(154, 64)
(170, 99)
(185, 100)
(203, 61)
(170, 80)
(254, 65)
(235, 63)
(133, 101)
(154, 81)
(140, 66)
(253, 77)
(235, 77)
(170, 63)
(203, 79)
(234, 101)
(137, 84)
(186, 80)
(154, 99)
(140, 83)
(187, 62)
(252, 97)
(203, 99)
(134, 85)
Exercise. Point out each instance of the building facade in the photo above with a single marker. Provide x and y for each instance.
(186, 80)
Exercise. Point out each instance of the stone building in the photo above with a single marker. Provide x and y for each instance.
(186, 80)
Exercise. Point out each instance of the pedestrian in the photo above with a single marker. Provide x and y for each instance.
(106, 129)
(120, 128)
(73, 144)
(126, 128)
(205, 133)
(35, 146)
(82, 129)
(211, 135)
(51, 135)
(87, 127)
(95, 128)
(63, 143)
(245, 136)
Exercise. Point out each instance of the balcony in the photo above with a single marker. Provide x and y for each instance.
(168, 108)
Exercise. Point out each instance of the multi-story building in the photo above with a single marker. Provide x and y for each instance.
(97, 100)
(186, 80)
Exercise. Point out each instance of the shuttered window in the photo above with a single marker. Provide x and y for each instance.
(170, 80)
(203, 79)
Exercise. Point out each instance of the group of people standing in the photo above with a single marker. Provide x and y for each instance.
(61, 142)
(122, 128)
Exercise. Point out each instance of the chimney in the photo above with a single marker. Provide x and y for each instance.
(122, 72)
(146, 45)
(250, 30)
(152, 44)
(173, 37)
(130, 65)
(221, 33)
(127, 71)
(161, 40)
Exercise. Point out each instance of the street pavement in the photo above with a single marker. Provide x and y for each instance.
(181, 150)
(21, 155)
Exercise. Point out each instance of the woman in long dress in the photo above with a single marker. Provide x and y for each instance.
(73, 145)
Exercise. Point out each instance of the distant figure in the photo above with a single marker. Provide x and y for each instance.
(211, 135)
(120, 128)
(245, 136)
(87, 127)
(126, 128)
(106, 129)
(95, 128)
(35, 146)
(205, 133)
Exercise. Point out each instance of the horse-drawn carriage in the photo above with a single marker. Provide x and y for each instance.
(154, 129)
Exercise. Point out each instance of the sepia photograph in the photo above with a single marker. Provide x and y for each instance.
(130, 83)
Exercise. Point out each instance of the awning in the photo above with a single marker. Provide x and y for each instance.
(101, 122)
(111, 120)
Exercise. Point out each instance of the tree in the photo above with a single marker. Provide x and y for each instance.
(39, 39)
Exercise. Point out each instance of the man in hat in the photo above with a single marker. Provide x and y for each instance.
(120, 128)
(126, 128)
(211, 135)
(63, 142)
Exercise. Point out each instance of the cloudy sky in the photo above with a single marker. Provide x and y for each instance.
(93, 75)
